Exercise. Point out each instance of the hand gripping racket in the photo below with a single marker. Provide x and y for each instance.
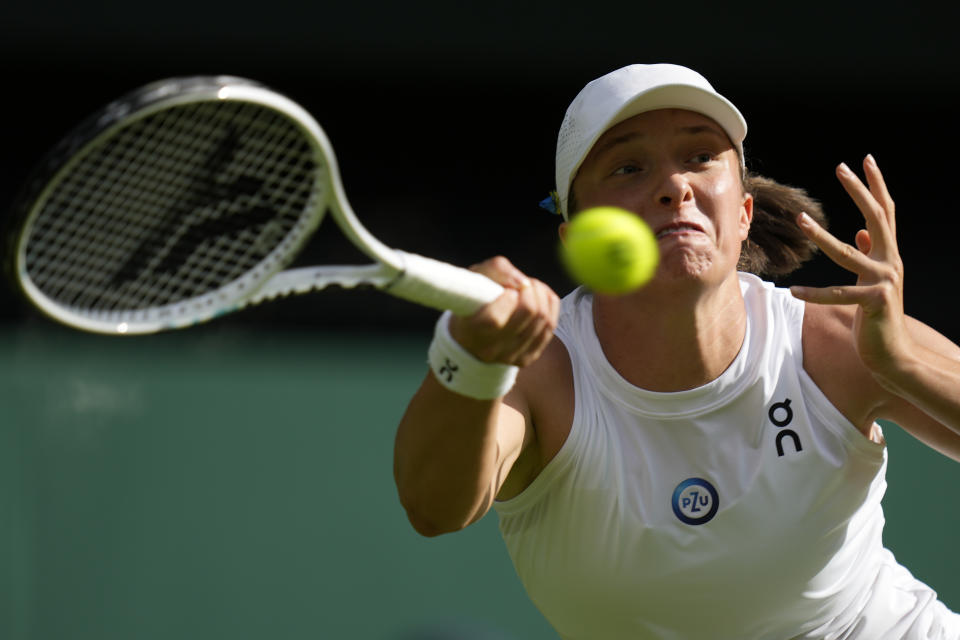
(184, 200)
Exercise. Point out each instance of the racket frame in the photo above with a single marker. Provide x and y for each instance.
(232, 295)
(405, 275)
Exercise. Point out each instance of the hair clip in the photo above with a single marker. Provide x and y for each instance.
(551, 203)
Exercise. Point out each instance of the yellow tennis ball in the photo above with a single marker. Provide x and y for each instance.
(610, 250)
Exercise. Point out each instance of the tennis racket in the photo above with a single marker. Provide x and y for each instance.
(185, 200)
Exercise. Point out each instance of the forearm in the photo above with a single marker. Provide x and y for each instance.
(446, 458)
(930, 382)
(454, 449)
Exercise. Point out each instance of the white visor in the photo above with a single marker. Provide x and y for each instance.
(630, 91)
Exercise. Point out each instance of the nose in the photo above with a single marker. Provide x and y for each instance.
(673, 189)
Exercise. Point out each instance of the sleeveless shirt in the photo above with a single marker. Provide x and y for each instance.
(748, 508)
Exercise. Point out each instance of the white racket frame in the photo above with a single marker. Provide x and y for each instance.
(405, 275)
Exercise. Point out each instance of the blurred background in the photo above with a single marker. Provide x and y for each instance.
(235, 481)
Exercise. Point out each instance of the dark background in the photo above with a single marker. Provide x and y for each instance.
(234, 481)
(444, 115)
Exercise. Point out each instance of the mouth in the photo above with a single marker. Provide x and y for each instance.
(678, 227)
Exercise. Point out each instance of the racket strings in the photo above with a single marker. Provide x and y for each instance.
(173, 206)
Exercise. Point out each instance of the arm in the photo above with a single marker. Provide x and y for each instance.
(915, 370)
(453, 453)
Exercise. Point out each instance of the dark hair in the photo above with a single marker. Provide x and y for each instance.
(776, 246)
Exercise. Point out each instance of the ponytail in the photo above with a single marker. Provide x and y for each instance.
(776, 246)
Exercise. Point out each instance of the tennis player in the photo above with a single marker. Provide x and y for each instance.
(700, 458)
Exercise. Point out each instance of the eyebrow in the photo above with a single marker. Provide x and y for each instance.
(704, 128)
(635, 135)
(619, 140)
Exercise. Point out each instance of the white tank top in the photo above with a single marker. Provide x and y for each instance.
(748, 508)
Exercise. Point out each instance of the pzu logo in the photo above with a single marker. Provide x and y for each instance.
(695, 501)
(781, 415)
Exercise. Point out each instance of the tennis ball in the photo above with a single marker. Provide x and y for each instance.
(610, 250)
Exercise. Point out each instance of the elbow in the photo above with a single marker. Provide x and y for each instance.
(433, 509)
(426, 528)
(431, 523)
(431, 526)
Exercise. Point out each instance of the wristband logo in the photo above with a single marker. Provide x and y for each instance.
(448, 369)
(695, 501)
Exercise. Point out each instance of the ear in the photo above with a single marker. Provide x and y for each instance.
(746, 216)
(562, 231)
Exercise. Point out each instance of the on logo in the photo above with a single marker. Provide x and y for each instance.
(781, 415)
(695, 501)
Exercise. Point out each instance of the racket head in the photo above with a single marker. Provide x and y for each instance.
(170, 206)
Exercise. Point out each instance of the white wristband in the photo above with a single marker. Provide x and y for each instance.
(460, 371)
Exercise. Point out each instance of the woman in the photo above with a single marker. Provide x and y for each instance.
(699, 458)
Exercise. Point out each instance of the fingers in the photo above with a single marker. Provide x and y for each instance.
(536, 319)
(879, 330)
(878, 188)
(875, 258)
(502, 271)
(872, 299)
(876, 246)
(849, 257)
(516, 327)
(877, 280)
(874, 202)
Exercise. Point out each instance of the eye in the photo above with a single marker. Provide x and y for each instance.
(626, 170)
(702, 158)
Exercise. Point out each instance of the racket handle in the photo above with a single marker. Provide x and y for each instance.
(442, 286)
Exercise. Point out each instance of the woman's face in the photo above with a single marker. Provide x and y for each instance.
(678, 171)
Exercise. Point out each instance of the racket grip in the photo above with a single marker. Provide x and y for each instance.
(442, 285)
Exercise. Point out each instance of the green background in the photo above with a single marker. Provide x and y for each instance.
(213, 485)
(232, 483)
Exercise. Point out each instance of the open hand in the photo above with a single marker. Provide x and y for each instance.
(880, 332)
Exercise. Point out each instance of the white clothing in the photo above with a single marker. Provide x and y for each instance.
(748, 508)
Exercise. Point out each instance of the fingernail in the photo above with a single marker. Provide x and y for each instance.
(804, 220)
(844, 169)
(870, 160)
